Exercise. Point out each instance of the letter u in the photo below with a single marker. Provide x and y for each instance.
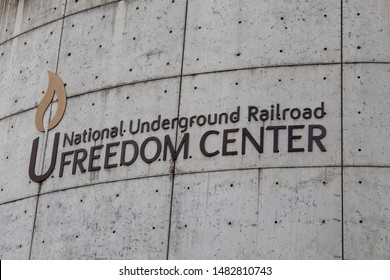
(33, 159)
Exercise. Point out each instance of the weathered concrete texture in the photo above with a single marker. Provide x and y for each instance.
(24, 62)
(17, 134)
(18, 16)
(17, 221)
(120, 43)
(124, 220)
(8, 10)
(76, 6)
(283, 214)
(366, 114)
(106, 109)
(306, 204)
(367, 211)
(236, 34)
(223, 92)
(215, 216)
(366, 30)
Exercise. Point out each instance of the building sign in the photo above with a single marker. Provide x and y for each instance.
(121, 150)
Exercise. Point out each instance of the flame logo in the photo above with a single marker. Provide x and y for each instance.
(55, 87)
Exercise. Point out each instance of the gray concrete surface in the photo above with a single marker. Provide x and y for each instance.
(124, 60)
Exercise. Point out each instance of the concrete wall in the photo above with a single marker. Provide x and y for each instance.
(123, 60)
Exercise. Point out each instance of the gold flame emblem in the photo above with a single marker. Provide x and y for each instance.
(55, 87)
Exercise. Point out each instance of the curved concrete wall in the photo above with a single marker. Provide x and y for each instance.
(130, 60)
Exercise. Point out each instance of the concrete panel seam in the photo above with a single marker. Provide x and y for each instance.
(183, 174)
(94, 7)
(177, 128)
(197, 74)
(105, 182)
(16, 200)
(342, 130)
(189, 173)
(45, 147)
(27, 31)
(62, 18)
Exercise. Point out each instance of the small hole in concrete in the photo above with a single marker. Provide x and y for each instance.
(117, 195)
(72, 25)
(195, 87)
(325, 49)
(156, 190)
(25, 43)
(231, 185)
(167, 63)
(360, 182)
(196, 59)
(280, 80)
(277, 183)
(359, 112)
(131, 69)
(325, 15)
(200, 27)
(236, 84)
(359, 150)
(165, 91)
(52, 176)
(2, 189)
(47, 62)
(281, 51)
(358, 77)
(190, 156)
(6, 157)
(358, 14)
(188, 188)
(324, 182)
(77, 236)
(361, 221)
(159, 159)
(239, 22)
(238, 54)
(69, 54)
(100, 46)
(282, 18)
(81, 200)
(43, 241)
(51, 33)
(230, 223)
(65, 84)
(21, 72)
(20, 246)
(55, 8)
(76, 1)
(47, 206)
(324, 78)
(134, 38)
(137, 8)
(127, 97)
(103, 16)
(12, 126)
(185, 225)
(2, 54)
(359, 47)
(170, 31)
(323, 221)
(25, 211)
(276, 222)
(153, 227)
(96, 77)
(113, 231)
